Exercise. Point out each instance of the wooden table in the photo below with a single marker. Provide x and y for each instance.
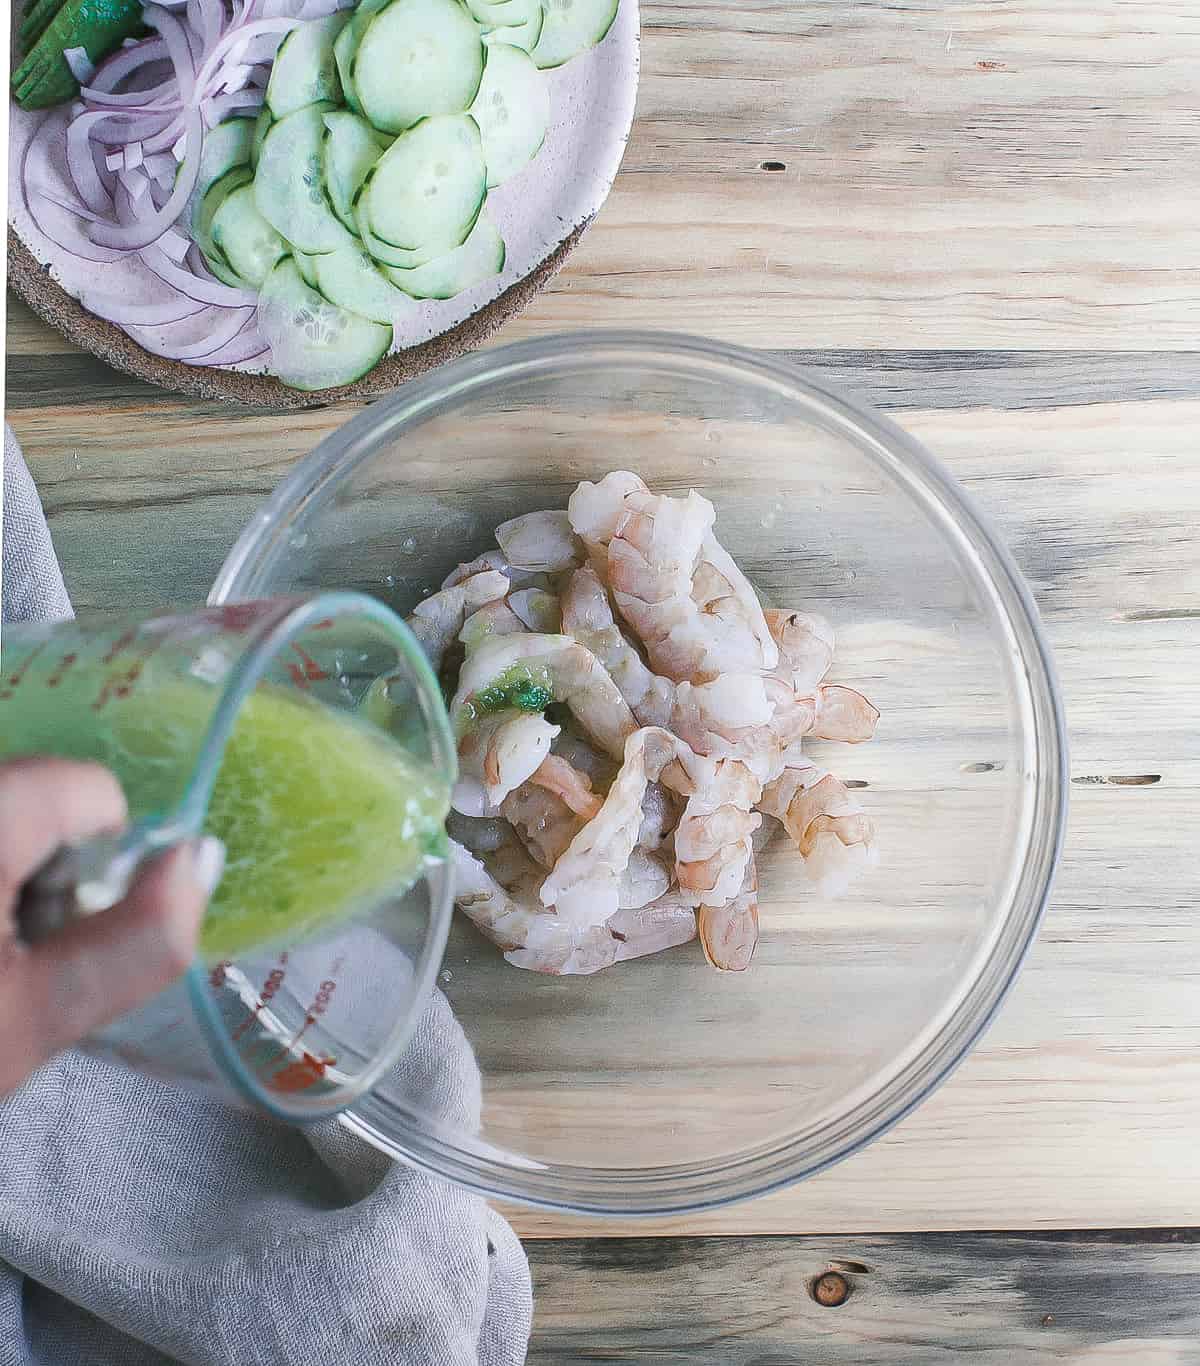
(985, 218)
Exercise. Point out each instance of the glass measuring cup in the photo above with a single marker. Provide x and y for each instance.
(309, 735)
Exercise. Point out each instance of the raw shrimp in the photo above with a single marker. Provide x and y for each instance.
(644, 879)
(497, 755)
(829, 827)
(538, 610)
(495, 561)
(540, 941)
(587, 615)
(712, 840)
(571, 786)
(805, 641)
(804, 705)
(438, 619)
(730, 598)
(729, 933)
(558, 666)
(652, 559)
(492, 619)
(584, 884)
(594, 511)
(545, 823)
(540, 541)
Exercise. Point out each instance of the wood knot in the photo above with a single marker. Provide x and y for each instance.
(831, 1289)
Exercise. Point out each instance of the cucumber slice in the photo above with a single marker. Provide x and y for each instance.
(571, 27)
(429, 186)
(350, 279)
(307, 266)
(262, 126)
(523, 34)
(226, 146)
(479, 258)
(304, 70)
(346, 46)
(289, 185)
(202, 221)
(416, 59)
(384, 252)
(491, 13)
(352, 147)
(512, 110)
(315, 344)
(244, 237)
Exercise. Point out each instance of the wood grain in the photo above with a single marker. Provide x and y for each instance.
(987, 224)
(991, 1299)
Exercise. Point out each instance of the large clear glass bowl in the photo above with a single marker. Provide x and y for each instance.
(661, 1085)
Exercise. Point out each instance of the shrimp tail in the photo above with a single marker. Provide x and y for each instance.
(729, 933)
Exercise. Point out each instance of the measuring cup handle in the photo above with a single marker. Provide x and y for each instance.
(79, 880)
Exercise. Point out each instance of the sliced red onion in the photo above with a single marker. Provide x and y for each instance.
(134, 236)
(133, 156)
(240, 350)
(115, 161)
(174, 35)
(227, 323)
(137, 183)
(127, 314)
(82, 164)
(161, 168)
(122, 63)
(80, 63)
(220, 107)
(175, 244)
(187, 282)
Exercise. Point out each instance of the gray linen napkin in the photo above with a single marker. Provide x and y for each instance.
(140, 1224)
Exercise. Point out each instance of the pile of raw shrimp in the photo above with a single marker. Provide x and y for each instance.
(626, 825)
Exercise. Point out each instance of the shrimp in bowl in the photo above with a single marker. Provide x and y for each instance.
(629, 716)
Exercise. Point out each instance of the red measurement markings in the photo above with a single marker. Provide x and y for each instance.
(14, 679)
(268, 989)
(239, 616)
(122, 642)
(299, 1075)
(311, 672)
(60, 669)
(322, 625)
(121, 684)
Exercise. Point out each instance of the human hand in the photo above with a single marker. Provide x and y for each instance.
(54, 992)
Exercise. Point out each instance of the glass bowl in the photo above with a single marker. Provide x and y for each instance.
(661, 1085)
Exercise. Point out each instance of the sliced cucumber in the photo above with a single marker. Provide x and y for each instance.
(523, 33)
(289, 184)
(346, 45)
(479, 258)
(233, 179)
(429, 186)
(352, 147)
(304, 70)
(350, 279)
(244, 237)
(307, 266)
(315, 344)
(384, 252)
(571, 27)
(226, 146)
(262, 126)
(490, 13)
(512, 110)
(417, 58)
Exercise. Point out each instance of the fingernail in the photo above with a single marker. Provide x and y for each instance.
(208, 863)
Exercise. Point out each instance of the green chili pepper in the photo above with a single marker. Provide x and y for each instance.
(97, 26)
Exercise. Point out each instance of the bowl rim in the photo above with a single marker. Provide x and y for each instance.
(942, 1045)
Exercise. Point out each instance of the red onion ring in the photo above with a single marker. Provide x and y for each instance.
(124, 62)
(123, 313)
(175, 36)
(228, 325)
(134, 236)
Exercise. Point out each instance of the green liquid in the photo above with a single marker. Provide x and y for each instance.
(520, 687)
(321, 813)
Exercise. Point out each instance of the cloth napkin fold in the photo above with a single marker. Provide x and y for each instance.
(141, 1224)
